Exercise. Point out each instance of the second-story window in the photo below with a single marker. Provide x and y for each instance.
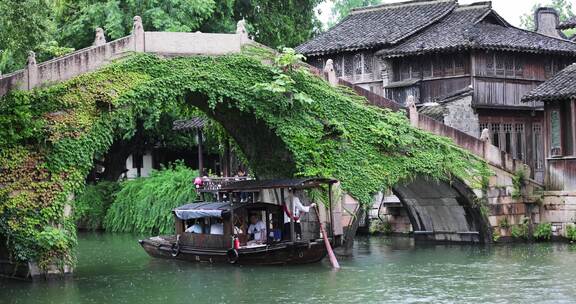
(555, 135)
(358, 64)
(503, 65)
(348, 65)
(500, 65)
(368, 63)
(338, 65)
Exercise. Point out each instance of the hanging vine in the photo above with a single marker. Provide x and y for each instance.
(49, 137)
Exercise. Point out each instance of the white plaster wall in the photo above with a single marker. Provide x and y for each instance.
(192, 43)
(146, 166)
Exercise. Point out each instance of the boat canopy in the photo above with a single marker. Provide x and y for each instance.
(256, 185)
(216, 209)
(201, 209)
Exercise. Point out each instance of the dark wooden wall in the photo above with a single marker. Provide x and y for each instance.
(499, 79)
(502, 78)
(561, 174)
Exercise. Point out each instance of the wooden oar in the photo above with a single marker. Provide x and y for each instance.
(331, 254)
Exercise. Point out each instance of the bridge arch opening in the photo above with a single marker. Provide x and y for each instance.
(441, 211)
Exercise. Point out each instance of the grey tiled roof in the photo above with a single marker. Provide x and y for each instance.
(378, 25)
(430, 26)
(570, 23)
(466, 28)
(433, 110)
(189, 124)
(560, 87)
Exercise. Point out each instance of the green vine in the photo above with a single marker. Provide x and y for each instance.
(49, 137)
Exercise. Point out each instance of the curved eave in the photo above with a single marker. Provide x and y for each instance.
(386, 54)
(340, 50)
(549, 98)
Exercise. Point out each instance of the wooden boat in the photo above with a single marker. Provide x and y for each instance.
(231, 244)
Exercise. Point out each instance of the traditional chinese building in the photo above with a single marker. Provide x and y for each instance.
(559, 97)
(463, 65)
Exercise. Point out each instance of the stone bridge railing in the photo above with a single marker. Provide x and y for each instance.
(481, 147)
(102, 52)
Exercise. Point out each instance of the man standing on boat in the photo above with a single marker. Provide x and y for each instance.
(297, 208)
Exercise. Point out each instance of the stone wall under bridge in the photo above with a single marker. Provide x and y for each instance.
(449, 219)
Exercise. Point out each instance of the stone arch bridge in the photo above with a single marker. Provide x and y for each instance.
(441, 209)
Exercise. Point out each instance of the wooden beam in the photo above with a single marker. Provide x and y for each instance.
(200, 158)
(573, 126)
(291, 208)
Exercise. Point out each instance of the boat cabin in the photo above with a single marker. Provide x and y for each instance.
(258, 222)
(220, 222)
(239, 200)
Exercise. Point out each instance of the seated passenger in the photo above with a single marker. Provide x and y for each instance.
(196, 228)
(257, 230)
(217, 228)
(238, 224)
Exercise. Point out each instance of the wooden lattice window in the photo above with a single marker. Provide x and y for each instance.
(489, 58)
(358, 64)
(555, 134)
(338, 65)
(495, 128)
(519, 147)
(500, 60)
(348, 65)
(537, 146)
(519, 67)
(368, 63)
(509, 65)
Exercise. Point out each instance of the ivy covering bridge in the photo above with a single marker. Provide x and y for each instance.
(287, 121)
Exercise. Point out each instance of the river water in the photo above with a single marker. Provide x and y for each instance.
(112, 268)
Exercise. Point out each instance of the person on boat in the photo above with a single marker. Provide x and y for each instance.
(240, 175)
(238, 225)
(217, 227)
(297, 209)
(257, 230)
(196, 228)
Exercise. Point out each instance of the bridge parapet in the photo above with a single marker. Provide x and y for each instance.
(102, 52)
(482, 148)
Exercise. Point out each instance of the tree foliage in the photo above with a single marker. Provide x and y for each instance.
(77, 19)
(286, 23)
(143, 205)
(91, 205)
(342, 8)
(563, 7)
(56, 27)
(26, 25)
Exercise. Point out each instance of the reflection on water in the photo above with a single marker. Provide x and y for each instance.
(112, 268)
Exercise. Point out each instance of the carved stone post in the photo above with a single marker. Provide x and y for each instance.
(138, 34)
(32, 69)
(485, 137)
(331, 73)
(412, 111)
(241, 30)
(100, 39)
